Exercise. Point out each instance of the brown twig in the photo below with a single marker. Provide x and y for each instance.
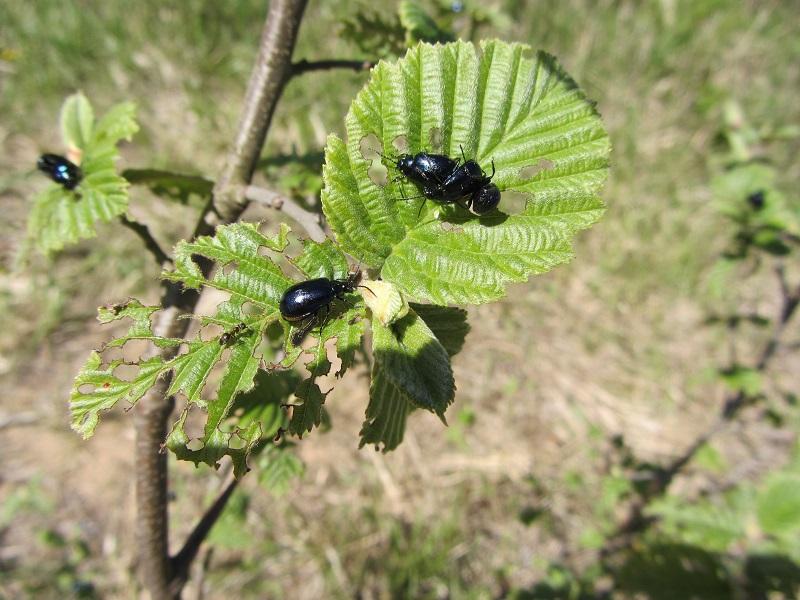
(308, 220)
(150, 243)
(182, 561)
(267, 81)
(305, 66)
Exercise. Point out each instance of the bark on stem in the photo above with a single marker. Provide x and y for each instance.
(152, 411)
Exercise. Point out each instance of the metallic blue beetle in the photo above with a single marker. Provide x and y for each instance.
(304, 301)
(60, 169)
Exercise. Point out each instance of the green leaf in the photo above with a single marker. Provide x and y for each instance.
(474, 264)
(243, 269)
(322, 260)
(308, 415)
(140, 329)
(264, 402)
(216, 444)
(708, 457)
(732, 187)
(741, 379)
(779, 504)
(99, 389)
(522, 114)
(375, 31)
(705, 525)
(61, 217)
(191, 372)
(666, 571)
(389, 404)
(386, 413)
(448, 324)
(419, 25)
(771, 242)
(415, 362)
(117, 124)
(721, 276)
(77, 121)
(278, 467)
(173, 186)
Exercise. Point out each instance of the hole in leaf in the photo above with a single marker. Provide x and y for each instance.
(195, 444)
(229, 268)
(211, 331)
(371, 148)
(513, 203)
(252, 309)
(528, 172)
(113, 354)
(125, 372)
(196, 420)
(199, 260)
(274, 331)
(400, 144)
(236, 443)
(435, 139)
(531, 171)
(450, 227)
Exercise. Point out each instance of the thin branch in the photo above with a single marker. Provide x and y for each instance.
(150, 421)
(790, 301)
(636, 522)
(304, 66)
(308, 220)
(270, 74)
(150, 243)
(183, 559)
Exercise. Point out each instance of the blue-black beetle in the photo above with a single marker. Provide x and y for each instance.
(60, 169)
(426, 168)
(304, 301)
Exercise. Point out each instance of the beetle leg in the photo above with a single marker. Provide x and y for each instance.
(309, 324)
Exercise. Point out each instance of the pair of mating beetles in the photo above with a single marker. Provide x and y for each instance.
(451, 181)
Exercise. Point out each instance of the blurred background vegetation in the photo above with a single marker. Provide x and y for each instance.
(571, 386)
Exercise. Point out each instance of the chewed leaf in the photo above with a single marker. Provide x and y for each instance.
(105, 390)
(236, 415)
(519, 116)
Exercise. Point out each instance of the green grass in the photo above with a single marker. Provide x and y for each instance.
(621, 323)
